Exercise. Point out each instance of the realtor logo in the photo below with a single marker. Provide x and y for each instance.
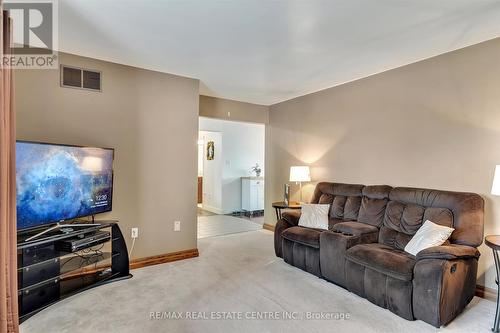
(34, 34)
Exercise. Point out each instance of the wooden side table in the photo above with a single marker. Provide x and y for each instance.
(278, 206)
(493, 241)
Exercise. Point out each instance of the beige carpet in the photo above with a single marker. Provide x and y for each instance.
(236, 273)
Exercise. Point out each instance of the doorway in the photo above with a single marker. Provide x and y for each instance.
(231, 177)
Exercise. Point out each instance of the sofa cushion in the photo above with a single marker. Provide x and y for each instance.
(345, 207)
(372, 209)
(354, 228)
(305, 236)
(345, 199)
(393, 238)
(402, 221)
(332, 222)
(325, 198)
(406, 218)
(465, 211)
(384, 259)
(338, 204)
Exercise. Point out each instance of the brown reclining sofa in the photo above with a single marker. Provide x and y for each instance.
(363, 250)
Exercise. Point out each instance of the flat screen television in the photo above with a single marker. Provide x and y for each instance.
(60, 182)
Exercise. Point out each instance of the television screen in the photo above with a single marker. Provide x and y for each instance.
(60, 182)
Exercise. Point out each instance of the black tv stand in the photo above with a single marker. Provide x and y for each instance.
(65, 228)
(47, 275)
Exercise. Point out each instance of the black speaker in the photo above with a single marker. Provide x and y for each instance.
(39, 268)
(42, 271)
(39, 295)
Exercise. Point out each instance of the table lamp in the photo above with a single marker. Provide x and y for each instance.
(299, 174)
(495, 188)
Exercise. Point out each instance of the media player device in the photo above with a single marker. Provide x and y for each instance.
(89, 240)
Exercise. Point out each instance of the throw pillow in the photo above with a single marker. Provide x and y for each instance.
(430, 234)
(314, 216)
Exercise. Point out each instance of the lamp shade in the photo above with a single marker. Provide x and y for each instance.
(301, 174)
(495, 188)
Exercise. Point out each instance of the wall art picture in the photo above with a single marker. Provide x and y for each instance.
(210, 150)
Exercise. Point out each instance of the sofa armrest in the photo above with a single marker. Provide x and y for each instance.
(353, 228)
(335, 243)
(280, 226)
(448, 252)
(444, 282)
(291, 217)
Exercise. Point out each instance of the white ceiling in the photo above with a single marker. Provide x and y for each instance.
(267, 51)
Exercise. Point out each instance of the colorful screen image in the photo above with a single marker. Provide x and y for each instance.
(59, 182)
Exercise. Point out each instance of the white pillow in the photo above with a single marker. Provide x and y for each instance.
(430, 234)
(314, 216)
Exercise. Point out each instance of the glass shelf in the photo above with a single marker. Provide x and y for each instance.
(47, 275)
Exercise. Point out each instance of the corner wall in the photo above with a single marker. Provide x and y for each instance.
(150, 118)
(213, 107)
(431, 124)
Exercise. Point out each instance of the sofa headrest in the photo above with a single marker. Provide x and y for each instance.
(467, 210)
(347, 190)
(345, 199)
(372, 210)
(377, 191)
(404, 209)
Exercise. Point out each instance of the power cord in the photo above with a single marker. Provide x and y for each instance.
(86, 256)
(131, 248)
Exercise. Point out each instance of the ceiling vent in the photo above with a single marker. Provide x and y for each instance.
(80, 78)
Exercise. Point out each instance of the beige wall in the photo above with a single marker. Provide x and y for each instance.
(150, 118)
(214, 107)
(433, 124)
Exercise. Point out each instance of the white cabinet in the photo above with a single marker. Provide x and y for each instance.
(252, 193)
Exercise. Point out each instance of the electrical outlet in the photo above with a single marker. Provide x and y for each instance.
(177, 225)
(135, 232)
